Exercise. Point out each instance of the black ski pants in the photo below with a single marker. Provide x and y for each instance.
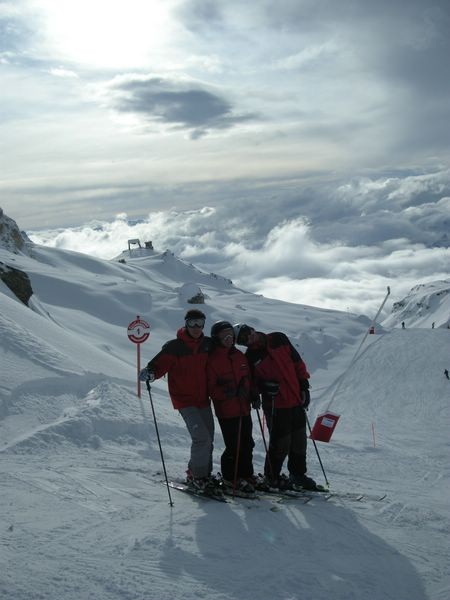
(287, 430)
(230, 432)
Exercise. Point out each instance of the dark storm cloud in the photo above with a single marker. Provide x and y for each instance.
(176, 103)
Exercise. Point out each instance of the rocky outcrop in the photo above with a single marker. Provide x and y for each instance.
(17, 281)
(12, 240)
(11, 237)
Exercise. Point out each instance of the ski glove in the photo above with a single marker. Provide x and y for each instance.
(242, 391)
(306, 397)
(256, 402)
(147, 374)
(271, 387)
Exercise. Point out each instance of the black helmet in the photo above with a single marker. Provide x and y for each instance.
(241, 332)
(218, 327)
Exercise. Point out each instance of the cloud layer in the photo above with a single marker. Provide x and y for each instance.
(339, 254)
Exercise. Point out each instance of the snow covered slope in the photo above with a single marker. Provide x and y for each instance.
(94, 300)
(83, 511)
(426, 305)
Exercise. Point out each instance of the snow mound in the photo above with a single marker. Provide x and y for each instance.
(191, 293)
(106, 412)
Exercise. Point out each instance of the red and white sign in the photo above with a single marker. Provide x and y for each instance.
(324, 426)
(138, 331)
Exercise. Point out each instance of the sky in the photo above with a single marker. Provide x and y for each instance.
(310, 144)
(84, 513)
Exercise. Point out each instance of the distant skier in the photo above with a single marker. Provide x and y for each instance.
(432, 325)
(403, 324)
(446, 373)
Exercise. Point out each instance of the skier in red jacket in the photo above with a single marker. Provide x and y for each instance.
(184, 360)
(281, 377)
(229, 388)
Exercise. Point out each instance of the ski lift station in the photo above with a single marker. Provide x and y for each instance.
(136, 243)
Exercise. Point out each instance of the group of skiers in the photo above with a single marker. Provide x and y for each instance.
(271, 373)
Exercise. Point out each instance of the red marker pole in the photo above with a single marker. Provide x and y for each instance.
(138, 332)
(138, 350)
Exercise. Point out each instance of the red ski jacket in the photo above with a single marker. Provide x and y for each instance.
(276, 359)
(229, 382)
(184, 360)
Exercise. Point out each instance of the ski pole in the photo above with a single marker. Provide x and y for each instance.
(240, 390)
(147, 382)
(236, 459)
(265, 443)
(315, 446)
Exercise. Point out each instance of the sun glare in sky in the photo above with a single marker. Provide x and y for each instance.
(106, 33)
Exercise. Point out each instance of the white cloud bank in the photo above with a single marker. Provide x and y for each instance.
(341, 254)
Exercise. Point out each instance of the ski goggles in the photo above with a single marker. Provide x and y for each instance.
(225, 335)
(195, 323)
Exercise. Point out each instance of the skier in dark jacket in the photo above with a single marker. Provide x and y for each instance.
(281, 377)
(184, 360)
(229, 388)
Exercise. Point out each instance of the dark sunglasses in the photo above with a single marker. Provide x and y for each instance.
(195, 323)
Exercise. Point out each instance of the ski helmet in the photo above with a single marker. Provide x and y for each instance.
(241, 331)
(218, 327)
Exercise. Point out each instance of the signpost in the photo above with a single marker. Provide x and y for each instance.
(138, 332)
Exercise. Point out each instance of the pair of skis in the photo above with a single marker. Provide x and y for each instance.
(304, 495)
(211, 495)
(221, 494)
(328, 494)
